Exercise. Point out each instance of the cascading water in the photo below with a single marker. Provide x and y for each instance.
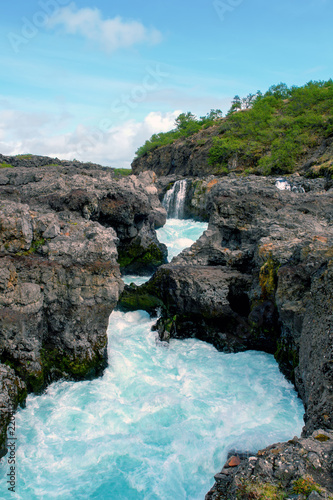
(178, 234)
(157, 425)
(174, 199)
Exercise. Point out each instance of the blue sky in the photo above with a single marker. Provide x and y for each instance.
(93, 80)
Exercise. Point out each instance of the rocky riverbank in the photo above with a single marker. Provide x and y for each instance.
(297, 470)
(66, 233)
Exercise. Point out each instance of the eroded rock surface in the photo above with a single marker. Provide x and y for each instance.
(12, 392)
(299, 469)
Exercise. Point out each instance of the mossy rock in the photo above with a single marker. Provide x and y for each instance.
(322, 438)
(34, 247)
(122, 172)
(268, 278)
(259, 490)
(24, 156)
(288, 358)
(34, 381)
(305, 485)
(135, 255)
(57, 364)
(133, 299)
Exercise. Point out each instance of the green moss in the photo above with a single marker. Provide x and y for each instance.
(305, 485)
(6, 165)
(34, 381)
(9, 363)
(133, 299)
(256, 490)
(268, 278)
(55, 361)
(199, 189)
(35, 245)
(287, 357)
(322, 438)
(21, 396)
(135, 253)
(24, 156)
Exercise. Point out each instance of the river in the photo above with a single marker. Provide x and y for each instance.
(159, 423)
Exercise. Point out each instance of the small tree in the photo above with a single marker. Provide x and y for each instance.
(236, 105)
(247, 102)
(187, 124)
(184, 119)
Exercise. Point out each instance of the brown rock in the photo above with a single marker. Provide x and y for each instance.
(234, 461)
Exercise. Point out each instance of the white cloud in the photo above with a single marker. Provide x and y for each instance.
(115, 147)
(111, 34)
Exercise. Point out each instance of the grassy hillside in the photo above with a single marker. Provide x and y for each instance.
(269, 133)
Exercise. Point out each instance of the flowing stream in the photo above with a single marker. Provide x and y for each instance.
(158, 424)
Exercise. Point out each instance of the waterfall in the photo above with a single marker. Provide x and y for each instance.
(174, 200)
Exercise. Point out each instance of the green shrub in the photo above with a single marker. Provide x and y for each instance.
(256, 490)
(122, 172)
(267, 133)
(305, 485)
(186, 125)
(278, 127)
(6, 165)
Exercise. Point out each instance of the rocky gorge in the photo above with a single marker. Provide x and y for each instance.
(259, 278)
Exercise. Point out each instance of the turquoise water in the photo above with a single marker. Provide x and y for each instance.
(178, 234)
(158, 424)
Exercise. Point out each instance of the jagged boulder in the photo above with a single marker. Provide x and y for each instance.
(56, 292)
(129, 205)
(299, 469)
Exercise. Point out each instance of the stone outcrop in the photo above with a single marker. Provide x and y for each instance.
(32, 161)
(299, 469)
(185, 157)
(66, 233)
(130, 205)
(58, 281)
